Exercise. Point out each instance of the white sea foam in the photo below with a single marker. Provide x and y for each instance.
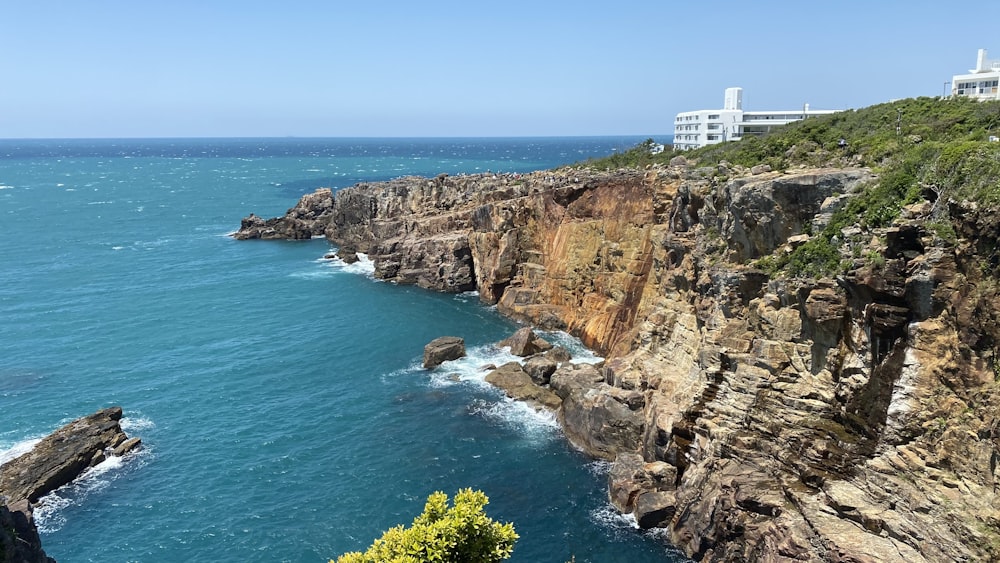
(518, 416)
(18, 449)
(333, 266)
(623, 525)
(5, 187)
(472, 370)
(50, 508)
(151, 244)
(364, 266)
(609, 517)
(599, 467)
(133, 424)
(581, 354)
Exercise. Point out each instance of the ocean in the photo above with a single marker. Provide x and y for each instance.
(279, 396)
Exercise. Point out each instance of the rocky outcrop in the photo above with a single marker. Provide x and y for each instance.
(600, 419)
(55, 461)
(443, 349)
(524, 343)
(517, 384)
(63, 455)
(307, 219)
(19, 541)
(755, 418)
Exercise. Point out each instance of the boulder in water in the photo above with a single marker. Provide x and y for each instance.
(443, 349)
(525, 343)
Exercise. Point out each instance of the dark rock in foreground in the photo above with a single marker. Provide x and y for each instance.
(443, 349)
(64, 455)
(19, 542)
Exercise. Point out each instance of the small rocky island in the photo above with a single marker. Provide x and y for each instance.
(55, 461)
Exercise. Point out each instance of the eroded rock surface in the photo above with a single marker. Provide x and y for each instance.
(755, 418)
(307, 219)
(443, 349)
(19, 541)
(64, 455)
(512, 378)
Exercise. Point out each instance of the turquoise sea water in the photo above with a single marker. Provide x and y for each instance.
(278, 395)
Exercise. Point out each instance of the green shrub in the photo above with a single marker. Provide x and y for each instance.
(638, 156)
(816, 258)
(458, 534)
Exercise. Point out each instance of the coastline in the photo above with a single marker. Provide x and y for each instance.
(732, 372)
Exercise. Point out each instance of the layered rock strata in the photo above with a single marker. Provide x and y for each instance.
(63, 455)
(756, 418)
(19, 541)
(55, 461)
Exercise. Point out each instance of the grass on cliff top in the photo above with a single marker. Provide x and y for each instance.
(942, 144)
(921, 148)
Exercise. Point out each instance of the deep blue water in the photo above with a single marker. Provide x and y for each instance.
(278, 395)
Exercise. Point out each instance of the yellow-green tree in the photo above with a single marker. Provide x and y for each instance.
(458, 534)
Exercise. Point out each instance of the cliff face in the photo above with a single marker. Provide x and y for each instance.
(847, 419)
(19, 541)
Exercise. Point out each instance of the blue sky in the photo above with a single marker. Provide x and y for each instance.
(183, 68)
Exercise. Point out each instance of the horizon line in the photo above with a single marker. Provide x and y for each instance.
(308, 137)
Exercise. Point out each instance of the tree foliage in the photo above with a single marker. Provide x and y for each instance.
(461, 533)
(639, 156)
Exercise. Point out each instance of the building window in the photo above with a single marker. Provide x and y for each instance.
(714, 116)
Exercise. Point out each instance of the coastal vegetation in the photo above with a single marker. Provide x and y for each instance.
(922, 149)
(447, 534)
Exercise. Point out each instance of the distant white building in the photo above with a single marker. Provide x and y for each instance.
(693, 129)
(981, 82)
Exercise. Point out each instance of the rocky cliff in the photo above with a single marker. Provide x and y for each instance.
(19, 541)
(55, 461)
(756, 417)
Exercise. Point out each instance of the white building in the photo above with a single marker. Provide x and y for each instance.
(981, 82)
(693, 129)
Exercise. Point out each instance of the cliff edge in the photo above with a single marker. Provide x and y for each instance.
(843, 418)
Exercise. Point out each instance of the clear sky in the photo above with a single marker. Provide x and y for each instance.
(183, 68)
